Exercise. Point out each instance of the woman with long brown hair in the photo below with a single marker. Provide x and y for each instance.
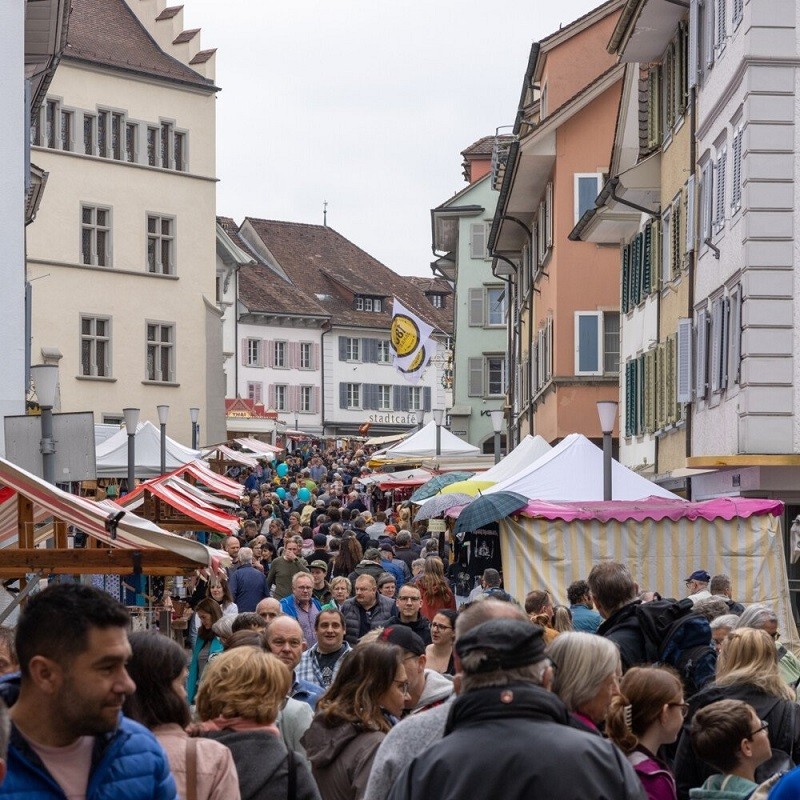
(207, 644)
(362, 704)
(435, 590)
(747, 670)
(348, 557)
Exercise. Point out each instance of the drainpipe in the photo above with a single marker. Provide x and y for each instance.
(692, 262)
(510, 349)
(326, 328)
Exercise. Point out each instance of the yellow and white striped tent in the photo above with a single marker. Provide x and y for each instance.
(551, 552)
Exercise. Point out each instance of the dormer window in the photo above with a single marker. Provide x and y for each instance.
(437, 300)
(369, 303)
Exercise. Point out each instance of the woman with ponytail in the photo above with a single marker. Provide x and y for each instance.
(648, 713)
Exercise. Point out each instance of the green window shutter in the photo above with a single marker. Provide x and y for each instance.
(657, 393)
(647, 260)
(676, 239)
(636, 288)
(650, 391)
(655, 257)
(669, 382)
(626, 267)
(628, 394)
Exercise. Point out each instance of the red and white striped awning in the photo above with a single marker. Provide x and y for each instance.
(257, 446)
(219, 484)
(229, 454)
(132, 532)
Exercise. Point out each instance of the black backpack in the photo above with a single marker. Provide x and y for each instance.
(675, 635)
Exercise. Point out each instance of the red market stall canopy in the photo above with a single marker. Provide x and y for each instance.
(27, 501)
(198, 472)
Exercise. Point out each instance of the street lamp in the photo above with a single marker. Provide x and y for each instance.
(438, 418)
(131, 423)
(194, 415)
(497, 426)
(45, 382)
(163, 413)
(419, 418)
(607, 411)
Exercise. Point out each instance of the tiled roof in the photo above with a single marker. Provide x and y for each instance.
(331, 270)
(186, 36)
(201, 56)
(170, 12)
(107, 32)
(483, 147)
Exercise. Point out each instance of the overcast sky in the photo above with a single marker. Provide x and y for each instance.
(364, 103)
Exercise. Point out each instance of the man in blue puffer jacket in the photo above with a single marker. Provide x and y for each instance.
(68, 735)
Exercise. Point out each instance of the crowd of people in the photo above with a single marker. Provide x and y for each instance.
(331, 662)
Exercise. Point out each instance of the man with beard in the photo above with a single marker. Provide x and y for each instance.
(68, 735)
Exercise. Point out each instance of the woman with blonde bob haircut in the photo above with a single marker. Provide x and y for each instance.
(747, 670)
(587, 670)
(238, 701)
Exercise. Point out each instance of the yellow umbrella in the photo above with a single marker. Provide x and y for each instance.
(470, 487)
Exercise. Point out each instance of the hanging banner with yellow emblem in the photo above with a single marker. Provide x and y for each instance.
(410, 339)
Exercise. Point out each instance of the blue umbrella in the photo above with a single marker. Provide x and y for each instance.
(489, 508)
(436, 506)
(437, 483)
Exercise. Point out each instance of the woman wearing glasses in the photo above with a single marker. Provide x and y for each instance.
(648, 713)
(363, 703)
(439, 654)
(747, 670)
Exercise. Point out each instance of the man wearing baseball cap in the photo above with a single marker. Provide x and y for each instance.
(507, 730)
(321, 590)
(697, 585)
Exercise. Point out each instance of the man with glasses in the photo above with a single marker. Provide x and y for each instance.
(409, 604)
(697, 586)
(302, 605)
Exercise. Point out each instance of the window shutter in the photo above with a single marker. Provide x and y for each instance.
(669, 399)
(738, 12)
(647, 260)
(244, 352)
(342, 348)
(653, 107)
(677, 251)
(426, 398)
(666, 241)
(708, 33)
(655, 254)
(315, 356)
(268, 352)
(342, 393)
(658, 370)
(534, 369)
(690, 214)
(475, 380)
(315, 399)
(294, 398)
(716, 343)
(369, 396)
(548, 332)
(640, 386)
(636, 271)
(720, 20)
(293, 355)
(735, 335)
(626, 267)
(723, 360)
(650, 392)
(736, 170)
(702, 343)
(369, 351)
(477, 238)
(405, 397)
(628, 394)
(680, 69)
(542, 224)
(476, 298)
(719, 217)
(684, 368)
(549, 213)
(693, 56)
(271, 395)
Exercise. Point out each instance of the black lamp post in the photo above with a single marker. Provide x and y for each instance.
(163, 413)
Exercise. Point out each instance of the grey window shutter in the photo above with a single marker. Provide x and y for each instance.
(684, 392)
(405, 398)
(397, 398)
(694, 55)
(342, 391)
(342, 348)
(369, 396)
(369, 351)
(702, 355)
(426, 398)
(475, 381)
(476, 308)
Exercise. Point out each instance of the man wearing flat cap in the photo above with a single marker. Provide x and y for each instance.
(507, 733)
(697, 586)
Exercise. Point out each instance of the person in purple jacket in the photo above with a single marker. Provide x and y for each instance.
(648, 712)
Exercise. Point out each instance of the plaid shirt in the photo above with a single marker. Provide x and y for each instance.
(308, 668)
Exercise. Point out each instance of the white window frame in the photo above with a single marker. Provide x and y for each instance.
(93, 338)
(159, 237)
(437, 300)
(281, 392)
(384, 351)
(255, 356)
(706, 202)
(577, 178)
(96, 228)
(606, 350)
(416, 398)
(352, 348)
(598, 315)
(280, 354)
(306, 399)
(157, 344)
(353, 395)
(131, 156)
(255, 392)
(720, 169)
(502, 302)
(487, 368)
(736, 170)
(65, 114)
(306, 355)
(384, 395)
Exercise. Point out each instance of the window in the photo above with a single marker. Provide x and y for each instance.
(165, 142)
(719, 29)
(486, 376)
(738, 12)
(95, 346)
(50, 123)
(281, 392)
(610, 342)
(384, 351)
(306, 355)
(96, 236)
(350, 395)
(666, 244)
(279, 355)
(253, 355)
(117, 134)
(350, 348)
(102, 133)
(706, 200)
(736, 171)
(641, 260)
(306, 399)
(735, 337)
(255, 391)
(437, 300)
(160, 245)
(676, 251)
(719, 188)
(653, 108)
(66, 134)
(587, 187)
(152, 146)
(364, 303)
(131, 132)
(495, 375)
(180, 151)
(496, 306)
(384, 398)
(160, 352)
(545, 225)
(88, 134)
(477, 240)
(415, 400)
(596, 352)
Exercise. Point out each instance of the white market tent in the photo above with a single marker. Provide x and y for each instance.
(573, 471)
(530, 449)
(112, 454)
(422, 444)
